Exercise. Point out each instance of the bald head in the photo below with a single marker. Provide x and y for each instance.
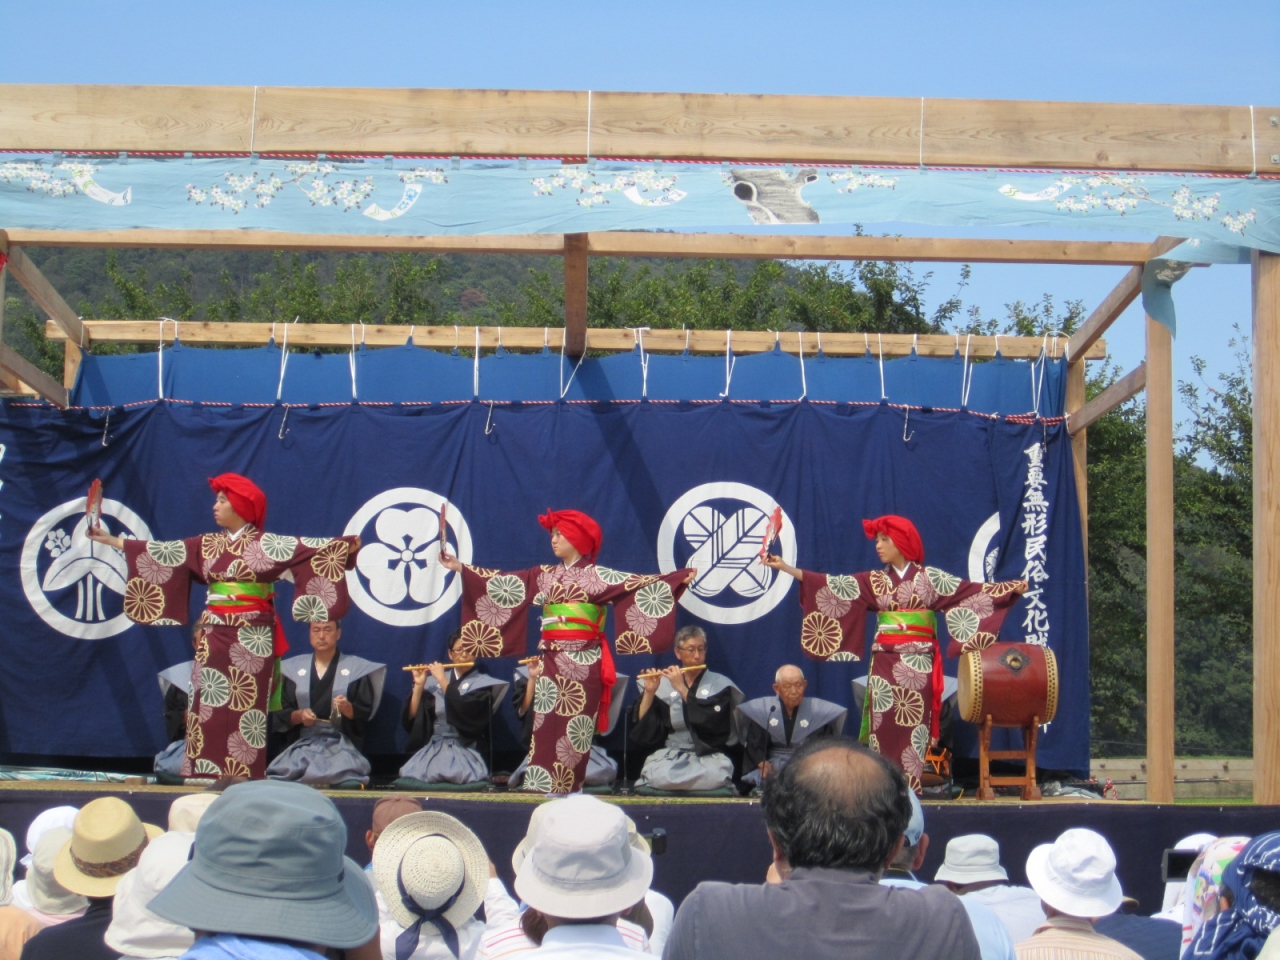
(789, 684)
(836, 805)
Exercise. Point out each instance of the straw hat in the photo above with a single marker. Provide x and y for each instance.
(583, 863)
(107, 839)
(1076, 874)
(430, 856)
(972, 858)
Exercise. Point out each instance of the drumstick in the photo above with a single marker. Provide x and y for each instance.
(657, 672)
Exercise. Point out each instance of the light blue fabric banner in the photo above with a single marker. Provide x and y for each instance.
(403, 197)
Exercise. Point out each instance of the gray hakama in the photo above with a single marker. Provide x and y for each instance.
(769, 734)
(175, 687)
(328, 751)
(602, 769)
(456, 727)
(690, 735)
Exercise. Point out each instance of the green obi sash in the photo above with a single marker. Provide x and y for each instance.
(238, 594)
(572, 621)
(908, 624)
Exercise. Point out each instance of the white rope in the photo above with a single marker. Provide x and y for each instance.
(1038, 386)
(730, 361)
(1253, 137)
(253, 122)
(564, 387)
(819, 343)
(409, 339)
(880, 341)
(351, 360)
(273, 331)
(362, 333)
(499, 337)
(997, 344)
(966, 373)
(804, 383)
(644, 363)
(588, 124)
(915, 344)
(455, 339)
(922, 132)
(160, 363)
(686, 338)
(546, 335)
(284, 361)
(475, 367)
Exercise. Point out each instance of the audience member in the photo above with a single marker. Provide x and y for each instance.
(8, 860)
(48, 901)
(1076, 879)
(135, 932)
(1204, 885)
(386, 812)
(107, 840)
(971, 869)
(449, 718)
(502, 940)
(1175, 888)
(45, 821)
(993, 938)
(581, 874)
(16, 925)
(186, 811)
(1271, 950)
(1251, 901)
(772, 727)
(327, 698)
(685, 716)
(431, 874)
(836, 815)
(267, 878)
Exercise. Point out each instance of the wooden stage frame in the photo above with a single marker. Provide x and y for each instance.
(577, 125)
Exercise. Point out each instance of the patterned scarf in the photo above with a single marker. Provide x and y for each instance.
(1240, 932)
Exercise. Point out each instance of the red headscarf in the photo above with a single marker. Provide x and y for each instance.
(901, 531)
(576, 527)
(246, 498)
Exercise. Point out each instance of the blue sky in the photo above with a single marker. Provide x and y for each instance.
(1170, 52)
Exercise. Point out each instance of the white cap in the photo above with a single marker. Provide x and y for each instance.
(971, 858)
(1076, 874)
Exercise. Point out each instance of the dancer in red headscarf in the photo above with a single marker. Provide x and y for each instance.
(575, 687)
(240, 638)
(904, 682)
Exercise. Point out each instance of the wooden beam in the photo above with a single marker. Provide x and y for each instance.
(46, 298)
(601, 338)
(1160, 552)
(1117, 301)
(1123, 390)
(890, 130)
(624, 244)
(575, 294)
(26, 371)
(71, 359)
(550, 244)
(1266, 527)
(1076, 389)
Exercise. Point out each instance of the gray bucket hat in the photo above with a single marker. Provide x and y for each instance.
(267, 862)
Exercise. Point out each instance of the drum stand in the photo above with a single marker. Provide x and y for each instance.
(985, 755)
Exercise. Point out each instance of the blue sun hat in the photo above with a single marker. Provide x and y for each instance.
(268, 862)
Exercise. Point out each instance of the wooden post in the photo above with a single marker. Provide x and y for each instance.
(1080, 452)
(575, 294)
(1160, 579)
(71, 363)
(1266, 527)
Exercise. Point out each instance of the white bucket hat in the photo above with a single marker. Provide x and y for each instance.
(583, 863)
(8, 854)
(535, 822)
(107, 840)
(45, 821)
(1076, 874)
(186, 811)
(135, 931)
(972, 858)
(429, 867)
(47, 896)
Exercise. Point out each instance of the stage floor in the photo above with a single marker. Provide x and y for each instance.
(724, 839)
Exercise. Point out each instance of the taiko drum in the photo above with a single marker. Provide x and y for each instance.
(1014, 683)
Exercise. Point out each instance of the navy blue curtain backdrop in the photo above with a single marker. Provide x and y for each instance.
(690, 483)
(409, 374)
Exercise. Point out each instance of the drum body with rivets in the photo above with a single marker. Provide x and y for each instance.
(1013, 683)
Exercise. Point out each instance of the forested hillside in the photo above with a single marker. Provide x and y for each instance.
(1213, 471)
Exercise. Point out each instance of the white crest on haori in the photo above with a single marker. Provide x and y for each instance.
(75, 562)
(398, 578)
(723, 543)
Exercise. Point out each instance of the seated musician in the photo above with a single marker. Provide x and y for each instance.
(772, 727)
(685, 714)
(449, 719)
(326, 700)
(175, 685)
(602, 769)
